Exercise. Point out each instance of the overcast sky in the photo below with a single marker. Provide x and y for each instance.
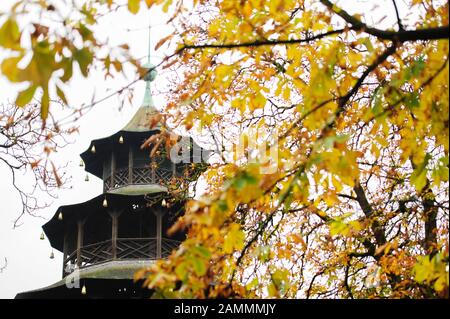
(29, 265)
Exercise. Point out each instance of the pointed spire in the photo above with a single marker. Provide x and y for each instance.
(140, 120)
(149, 77)
(148, 99)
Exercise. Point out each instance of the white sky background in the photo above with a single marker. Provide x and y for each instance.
(29, 265)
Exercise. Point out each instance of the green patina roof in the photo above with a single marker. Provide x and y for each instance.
(113, 270)
(134, 190)
(109, 270)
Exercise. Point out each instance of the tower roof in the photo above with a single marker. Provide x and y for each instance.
(147, 113)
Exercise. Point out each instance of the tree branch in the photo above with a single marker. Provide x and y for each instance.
(399, 36)
(2, 268)
(368, 211)
(258, 43)
(399, 21)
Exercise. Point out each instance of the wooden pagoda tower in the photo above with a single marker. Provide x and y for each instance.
(106, 239)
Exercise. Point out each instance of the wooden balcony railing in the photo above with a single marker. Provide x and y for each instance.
(127, 249)
(138, 176)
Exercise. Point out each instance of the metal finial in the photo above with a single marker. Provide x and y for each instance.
(150, 76)
(149, 43)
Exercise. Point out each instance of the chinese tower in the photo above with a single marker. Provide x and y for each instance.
(106, 239)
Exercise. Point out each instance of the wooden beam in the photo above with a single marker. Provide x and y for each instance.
(152, 164)
(65, 250)
(159, 215)
(80, 235)
(113, 168)
(105, 188)
(174, 169)
(114, 232)
(130, 165)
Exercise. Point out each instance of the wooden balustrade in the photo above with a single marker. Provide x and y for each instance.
(127, 249)
(137, 176)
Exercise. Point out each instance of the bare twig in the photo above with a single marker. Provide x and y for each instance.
(5, 264)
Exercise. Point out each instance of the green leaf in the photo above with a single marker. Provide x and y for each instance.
(86, 33)
(263, 253)
(199, 266)
(24, 97)
(367, 43)
(252, 284)
(417, 67)
(338, 227)
(281, 279)
(222, 204)
(84, 58)
(432, 270)
(243, 180)
(412, 100)
(61, 94)
(67, 66)
(419, 175)
(330, 140)
(377, 102)
(441, 171)
(181, 271)
(201, 251)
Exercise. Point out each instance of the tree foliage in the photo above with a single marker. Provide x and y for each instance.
(354, 202)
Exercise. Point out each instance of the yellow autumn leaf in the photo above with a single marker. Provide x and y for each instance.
(234, 239)
(133, 6)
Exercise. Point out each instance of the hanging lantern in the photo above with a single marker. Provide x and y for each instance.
(163, 203)
(60, 216)
(52, 255)
(42, 236)
(86, 179)
(93, 149)
(83, 290)
(105, 203)
(121, 139)
(81, 163)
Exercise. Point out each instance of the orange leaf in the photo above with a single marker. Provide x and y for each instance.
(162, 41)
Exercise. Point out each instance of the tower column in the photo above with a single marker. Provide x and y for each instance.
(114, 232)
(130, 165)
(65, 250)
(153, 164)
(80, 235)
(113, 169)
(159, 215)
(105, 183)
